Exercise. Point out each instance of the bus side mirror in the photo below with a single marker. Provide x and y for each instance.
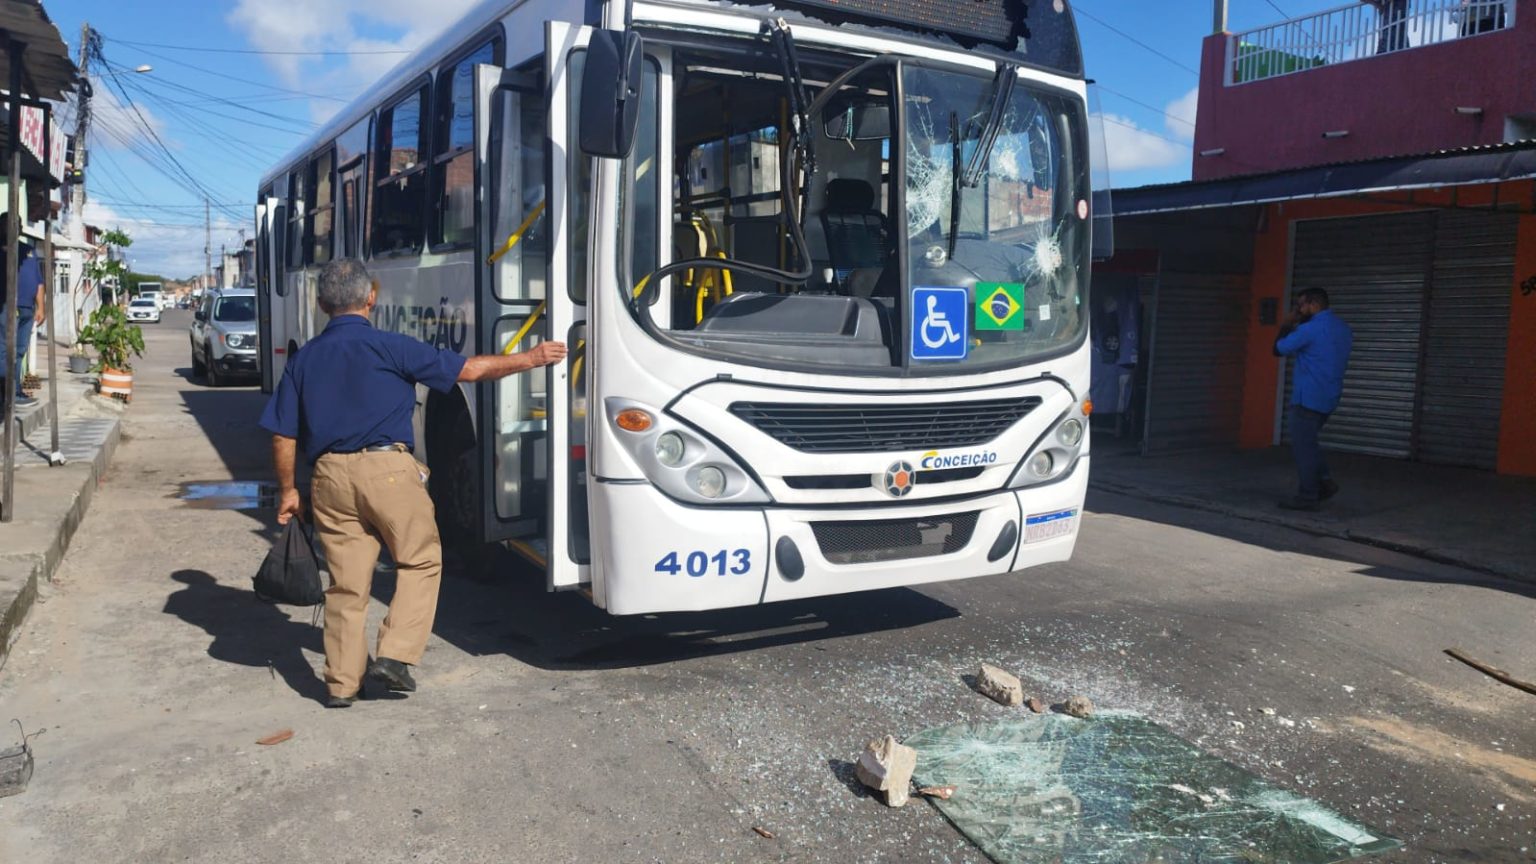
(610, 94)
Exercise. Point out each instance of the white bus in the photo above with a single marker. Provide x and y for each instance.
(822, 263)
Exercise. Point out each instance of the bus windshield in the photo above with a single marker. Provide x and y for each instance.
(893, 247)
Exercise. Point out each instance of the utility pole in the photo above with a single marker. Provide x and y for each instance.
(82, 122)
(1219, 16)
(207, 248)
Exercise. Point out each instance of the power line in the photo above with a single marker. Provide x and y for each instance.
(217, 74)
(1112, 28)
(1133, 100)
(143, 85)
(254, 51)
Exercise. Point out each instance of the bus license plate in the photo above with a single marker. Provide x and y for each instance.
(1048, 526)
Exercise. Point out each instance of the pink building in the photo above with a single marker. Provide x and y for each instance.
(1366, 80)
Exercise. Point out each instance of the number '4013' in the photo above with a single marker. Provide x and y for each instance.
(735, 562)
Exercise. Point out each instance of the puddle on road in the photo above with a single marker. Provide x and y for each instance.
(229, 495)
(1120, 788)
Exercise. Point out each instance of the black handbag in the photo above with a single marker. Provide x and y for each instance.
(291, 572)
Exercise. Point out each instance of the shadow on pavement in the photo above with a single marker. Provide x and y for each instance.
(247, 631)
(1366, 557)
(513, 614)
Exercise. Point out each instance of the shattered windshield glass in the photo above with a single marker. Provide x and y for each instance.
(1015, 242)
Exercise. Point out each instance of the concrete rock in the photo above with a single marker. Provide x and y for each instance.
(887, 766)
(1078, 706)
(999, 686)
(15, 771)
(1035, 704)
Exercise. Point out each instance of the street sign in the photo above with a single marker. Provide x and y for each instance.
(940, 319)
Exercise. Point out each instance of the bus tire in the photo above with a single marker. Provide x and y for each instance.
(455, 485)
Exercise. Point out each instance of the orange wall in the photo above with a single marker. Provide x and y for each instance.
(1517, 428)
(1271, 266)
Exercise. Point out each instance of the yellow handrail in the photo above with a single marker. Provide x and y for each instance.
(527, 325)
(517, 235)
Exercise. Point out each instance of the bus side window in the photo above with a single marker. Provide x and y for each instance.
(320, 208)
(400, 175)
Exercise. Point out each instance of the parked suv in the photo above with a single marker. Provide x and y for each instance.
(224, 340)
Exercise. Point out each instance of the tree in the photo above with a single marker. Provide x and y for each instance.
(109, 272)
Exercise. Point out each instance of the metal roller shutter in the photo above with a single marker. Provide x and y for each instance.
(1463, 372)
(1195, 379)
(1375, 270)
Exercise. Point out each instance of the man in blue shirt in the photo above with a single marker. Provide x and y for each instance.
(1320, 343)
(29, 310)
(349, 397)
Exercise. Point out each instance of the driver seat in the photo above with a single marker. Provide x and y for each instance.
(858, 235)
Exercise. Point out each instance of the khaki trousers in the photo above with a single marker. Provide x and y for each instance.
(359, 501)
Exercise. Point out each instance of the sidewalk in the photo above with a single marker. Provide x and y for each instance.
(51, 501)
(1461, 516)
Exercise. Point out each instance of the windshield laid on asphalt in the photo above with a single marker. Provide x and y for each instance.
(235, 309)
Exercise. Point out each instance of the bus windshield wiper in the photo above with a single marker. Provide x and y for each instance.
(1002, 95)
(799, 100)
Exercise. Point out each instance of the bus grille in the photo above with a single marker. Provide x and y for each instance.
(869, 541)
(876, 428)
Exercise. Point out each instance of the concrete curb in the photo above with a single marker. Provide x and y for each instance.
(1316, 529)
(41, 567)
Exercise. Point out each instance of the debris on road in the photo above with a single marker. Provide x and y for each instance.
(763, 832)
(1035, 704)
(275, 738)
(887, 766)
(941, 792)
(1496, 674)
(999, 686)
(1078, 706)
(16, 765)
(1267, 712)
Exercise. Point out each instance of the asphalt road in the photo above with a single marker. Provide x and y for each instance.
(547, 731)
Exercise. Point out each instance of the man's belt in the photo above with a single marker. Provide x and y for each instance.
(386, 448)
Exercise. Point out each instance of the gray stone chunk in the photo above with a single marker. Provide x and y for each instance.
(999, 686)
(887, 766)
(15, 771)
(1078, 706)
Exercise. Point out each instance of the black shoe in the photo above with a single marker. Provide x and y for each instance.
(1328, 490)
(1299, 503)
(341, 701)
(392, 674)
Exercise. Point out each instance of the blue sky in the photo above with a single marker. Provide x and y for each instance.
(225, 117)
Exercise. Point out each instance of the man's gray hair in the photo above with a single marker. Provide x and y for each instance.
(343, 287)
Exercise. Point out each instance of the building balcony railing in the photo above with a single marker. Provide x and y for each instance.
(1358, 31)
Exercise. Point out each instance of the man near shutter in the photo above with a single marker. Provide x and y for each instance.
(350, 396)
(1320, 344)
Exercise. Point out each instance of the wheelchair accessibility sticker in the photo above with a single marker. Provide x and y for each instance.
(940, 320)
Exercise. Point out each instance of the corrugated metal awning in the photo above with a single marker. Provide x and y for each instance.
(49, 73)
(1473, 165)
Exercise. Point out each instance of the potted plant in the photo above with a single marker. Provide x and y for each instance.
(109, 331)
(114, 337)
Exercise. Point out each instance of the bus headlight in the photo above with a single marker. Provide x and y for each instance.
(1041, 464)
(1070, 432)
(670, 449)
(710, 482)
(680, 460)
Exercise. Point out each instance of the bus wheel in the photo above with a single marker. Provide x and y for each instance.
(455, 487)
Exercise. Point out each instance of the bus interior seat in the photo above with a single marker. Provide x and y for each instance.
(858, 235)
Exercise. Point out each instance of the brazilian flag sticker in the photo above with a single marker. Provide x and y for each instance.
(1000, 306)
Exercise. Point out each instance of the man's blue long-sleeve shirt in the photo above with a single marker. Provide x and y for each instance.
(1321, 348)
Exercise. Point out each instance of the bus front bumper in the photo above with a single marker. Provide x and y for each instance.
(665, 557)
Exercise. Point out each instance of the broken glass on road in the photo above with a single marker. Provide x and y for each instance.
(1120, 788)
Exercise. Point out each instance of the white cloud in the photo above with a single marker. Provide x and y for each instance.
(1181, 115)
(172, 250)
(116, 122)
(1132, 148)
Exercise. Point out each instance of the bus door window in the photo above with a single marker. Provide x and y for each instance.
(351, 157)
(453, 146)
(295, 227)
(400, 194)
